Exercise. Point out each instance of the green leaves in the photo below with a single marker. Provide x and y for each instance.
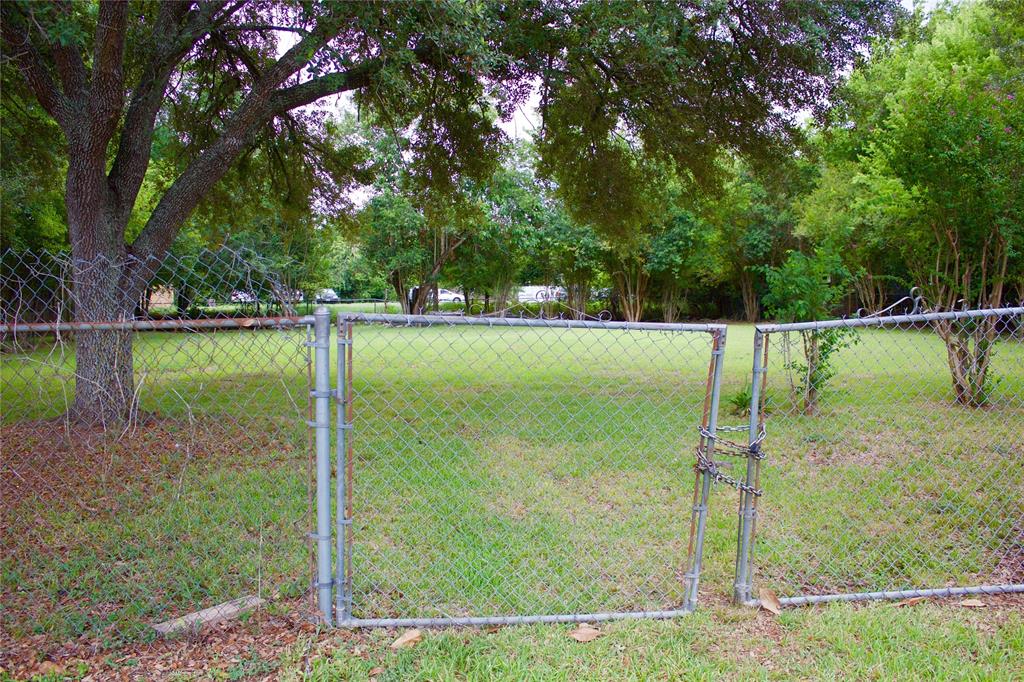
(806, 287)
(934, 156)
(640, 91)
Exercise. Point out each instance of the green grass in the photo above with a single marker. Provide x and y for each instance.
(835, 643)
(508, 471)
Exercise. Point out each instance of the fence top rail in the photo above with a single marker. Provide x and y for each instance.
(154, 325)
(415, 320)
(888, 320)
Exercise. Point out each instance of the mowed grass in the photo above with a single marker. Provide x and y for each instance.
(502, 471)
(836, 642)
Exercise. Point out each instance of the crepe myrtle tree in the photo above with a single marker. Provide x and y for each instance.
(679, 79)
(934, 124)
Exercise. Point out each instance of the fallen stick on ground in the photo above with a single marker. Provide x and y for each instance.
(214, 614)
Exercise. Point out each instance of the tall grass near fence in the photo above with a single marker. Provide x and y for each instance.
(891, 484)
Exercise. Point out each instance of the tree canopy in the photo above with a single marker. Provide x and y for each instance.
(156, 103)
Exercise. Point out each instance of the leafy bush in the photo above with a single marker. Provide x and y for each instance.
(739, 402)
(807, 288)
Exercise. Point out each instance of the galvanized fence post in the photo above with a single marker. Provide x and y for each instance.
(704, 477)
(322, 424)
(343, 466)
(743, 587)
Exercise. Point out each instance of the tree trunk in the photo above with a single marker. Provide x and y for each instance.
(104, 371)
(104, 381)
(183, 297)
(631, 281)
(400, 291)
(751, 310)
(142, 309)
(502, 292)
(968, 353)
(419, 300)
(870, 291)
(577, 293)
(670, 302)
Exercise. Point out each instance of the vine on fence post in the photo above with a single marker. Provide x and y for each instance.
(807, 288)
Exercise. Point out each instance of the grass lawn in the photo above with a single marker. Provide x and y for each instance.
(504, 471)
(836, 642)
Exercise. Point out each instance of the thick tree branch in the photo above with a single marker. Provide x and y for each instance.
(256, 109)
(175, 31)
(73, 74)
(357, 77)
(265, 100)
(106, 96)
(302, 94)
(33, 68)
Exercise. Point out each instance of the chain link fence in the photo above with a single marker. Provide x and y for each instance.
(190, 491)
(515, 470)
(180, 439)
(895, 462)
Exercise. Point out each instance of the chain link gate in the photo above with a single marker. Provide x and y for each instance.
(896, 470)
(507, 470)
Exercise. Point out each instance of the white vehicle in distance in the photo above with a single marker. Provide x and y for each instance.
(327, 296)
(243, 297)
(535, 294)
(448, 296)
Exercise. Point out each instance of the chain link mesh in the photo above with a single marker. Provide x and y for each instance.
(196, 493)
(897, 456)
(528, 469)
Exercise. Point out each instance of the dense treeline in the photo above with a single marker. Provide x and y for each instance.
(912, 177)
(668, 174)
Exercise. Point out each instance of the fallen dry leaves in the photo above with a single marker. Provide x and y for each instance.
(973, 603)
(585, 633)
(208, 654)
(769, 602)
(408, 638)
(201, 655)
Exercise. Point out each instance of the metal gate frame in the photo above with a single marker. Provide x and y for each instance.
(743, 584)
(334, 564)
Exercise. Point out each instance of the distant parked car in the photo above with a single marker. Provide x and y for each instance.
(243, 297)
(327, 296)
(533, 294)
(601, 294)
(292, 296)
(448, 296)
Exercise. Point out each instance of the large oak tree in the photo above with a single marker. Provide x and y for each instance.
(676, 81)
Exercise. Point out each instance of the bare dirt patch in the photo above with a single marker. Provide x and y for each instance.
(47, 465)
